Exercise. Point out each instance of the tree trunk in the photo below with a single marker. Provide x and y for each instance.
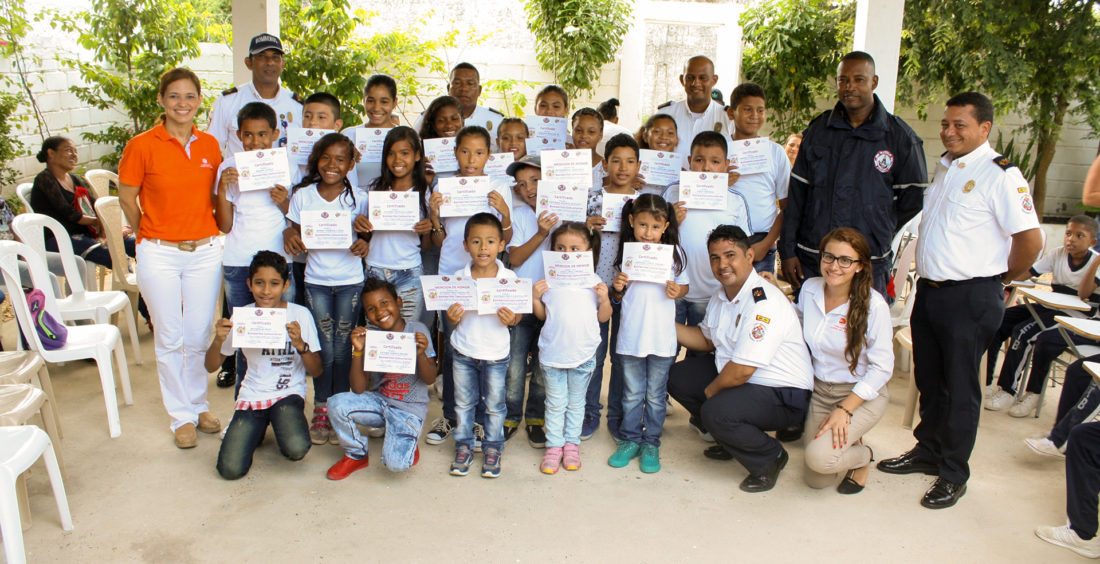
(1046, 143)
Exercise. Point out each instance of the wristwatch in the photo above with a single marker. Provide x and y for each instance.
(304, 349)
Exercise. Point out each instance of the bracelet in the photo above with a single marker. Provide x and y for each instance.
(437, 229)
(507, 228)
(840, 407)
(356, 353)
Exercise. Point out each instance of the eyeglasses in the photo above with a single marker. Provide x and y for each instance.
(844, 262)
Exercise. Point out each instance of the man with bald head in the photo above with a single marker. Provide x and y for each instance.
(699, 112)
(464, 83)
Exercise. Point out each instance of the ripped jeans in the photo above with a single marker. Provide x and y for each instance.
(349, 410)
(335, 310)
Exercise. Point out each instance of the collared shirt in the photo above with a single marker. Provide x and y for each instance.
(826, 334)
(867, 177)
(694, 231)
(1066, 277)
(482, 337)
(759, 327)
(690, 124)
(223, 117)
(972, 209)
(175, 181)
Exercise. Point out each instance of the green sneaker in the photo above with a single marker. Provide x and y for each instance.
(624, 454)
(651, 459)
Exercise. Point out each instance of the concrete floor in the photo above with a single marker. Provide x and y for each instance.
(138, 498)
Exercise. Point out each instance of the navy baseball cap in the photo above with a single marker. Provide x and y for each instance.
(264, 42)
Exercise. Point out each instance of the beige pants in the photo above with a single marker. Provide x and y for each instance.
(823, 462)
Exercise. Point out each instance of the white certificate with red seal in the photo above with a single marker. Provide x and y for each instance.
(647, 262)
(369, 141)
(300, 142)
(389, 352)
(568, 166)
(440, 153)
(441, 292)
(464, 195)
(704, 190)
(497, 165)
(661, 168)
(568, 201)
(612, 210)
(568, 270)
(495, 293)
(393, 211)
(326, 229)
(750, 156)
(259, 328)
(262, 170)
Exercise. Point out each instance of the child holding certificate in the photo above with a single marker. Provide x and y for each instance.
(587, 133)
(322, 210)
(512, 136)
(443, 118)
(480, 347)
(658, 134)
(568, 346)
(274, 390)
(647, 334)
(552, 101)
(397, 401)
(379, 102)
(395, 252)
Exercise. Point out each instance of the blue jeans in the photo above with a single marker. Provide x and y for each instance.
(645, 397)
(298, 275)
(237, 294)
(335, 309)
(476, 380)
(247, 429)
(407, 283)
(609, 333)
(525, 337)
(690, 314)
(83, 246)
(566, 389)
(348, 410)
(767, 263)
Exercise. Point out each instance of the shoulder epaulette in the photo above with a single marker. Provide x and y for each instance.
(1003, 162)
(665, 105)
(229, 91)
(758, 294)
(943, 153)
(495, 111)
(297, 98)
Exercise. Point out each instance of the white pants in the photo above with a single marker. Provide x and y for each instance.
(181, 290)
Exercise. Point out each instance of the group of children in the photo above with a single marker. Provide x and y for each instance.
(487, 363)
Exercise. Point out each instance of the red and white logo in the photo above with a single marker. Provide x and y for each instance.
(884, 161)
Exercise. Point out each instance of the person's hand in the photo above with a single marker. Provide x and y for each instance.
(539, 289)
(358, 338)
(497, 202)
(681, 211)
(362, 224)
(294, 332)
(229, 176)
(734, 176)
(127, 231)
(620, 281)
(222, 329)
(454, 313)
(360, 248)
(279, 194)
(769, 277)
(595, 222)
(506, 317)
(423, 226)
(601, 292)
(672, 289)
(547, 221)
(709, 391)
(792, 272)
(837, 422)
(434, 202)
(292, 242)
(639, 181)
(421, 343)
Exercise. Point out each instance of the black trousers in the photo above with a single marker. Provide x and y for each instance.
(737, 417)
(1018, 325)
(1083, 478)
(952, 326)
(1078, 402)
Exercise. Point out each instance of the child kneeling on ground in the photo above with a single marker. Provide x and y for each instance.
(274, 389)
(398, 402)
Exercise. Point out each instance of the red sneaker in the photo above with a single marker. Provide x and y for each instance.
(345, 466)
(416, 456)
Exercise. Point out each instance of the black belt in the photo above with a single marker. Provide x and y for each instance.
(949, 283)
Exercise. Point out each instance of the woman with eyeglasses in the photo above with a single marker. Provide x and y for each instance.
(847, 327)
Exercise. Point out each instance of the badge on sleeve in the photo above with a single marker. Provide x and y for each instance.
(1022, 190)
(1026, 203)
(884, 161)
(968, 186)
(758, 331)
(763, 319)
(758, 294)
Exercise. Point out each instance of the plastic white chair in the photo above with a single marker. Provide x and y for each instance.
(23, 367)
(84, 341)
(109, 211)
(20, 447)
(24, 193)
(904, 337)
(99, 181)
(905, 283)
(80, 303)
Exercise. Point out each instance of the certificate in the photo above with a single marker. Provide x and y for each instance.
(497, 165)
(441, 292)
(440, 153)
(568, 270)
(464, 195)
(750, 156)
(368, 141)
(259, 328)
(495, 293)
(647, 262)
(569, 202)
(547, 127)
(537, 144)
(660, 167)
(262, 170)
(612, 210)
(392, 353)
(326, 229)
(393, 211)
(300, 141)
(572, 167)
(704, 190)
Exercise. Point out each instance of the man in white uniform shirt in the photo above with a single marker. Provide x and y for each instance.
(265, 60)
(464, 83)
(699, 112)
(758, 375)
(978, 232)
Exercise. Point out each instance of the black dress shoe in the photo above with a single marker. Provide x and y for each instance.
(942, 494)
(790, 434)
(909, 463)
(226, 379)
(756, 483)
(717, 452)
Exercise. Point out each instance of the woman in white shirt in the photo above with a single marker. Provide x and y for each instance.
(846, 325)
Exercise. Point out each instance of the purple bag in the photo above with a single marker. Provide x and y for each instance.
(51, 333)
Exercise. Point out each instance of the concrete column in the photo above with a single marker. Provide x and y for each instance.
(878, 32)
(251, 18)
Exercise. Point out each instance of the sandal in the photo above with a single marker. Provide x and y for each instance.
(848, 485)
(319, 427)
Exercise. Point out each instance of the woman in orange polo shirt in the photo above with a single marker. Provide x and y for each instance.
(170, 170)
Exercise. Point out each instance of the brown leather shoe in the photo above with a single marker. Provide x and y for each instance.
(186, 437)
(208, 423)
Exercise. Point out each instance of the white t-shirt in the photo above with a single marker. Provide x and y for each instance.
(274, 373)
(329, 267)
(258, 223)
(694, 231)
(223, 116)
(452, 255)
(761, 190)
(1065, 278)
(647, 322)
(395, 250)
(690, 124)
(571, 333)
(482, 337)
(826, 335)
(759, 327)
(610, 130)
(526, 225)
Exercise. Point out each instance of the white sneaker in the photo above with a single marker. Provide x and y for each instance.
(1045, 447)
(989, 391)
(1025, 406)
(1066, 537)
(999, 400)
